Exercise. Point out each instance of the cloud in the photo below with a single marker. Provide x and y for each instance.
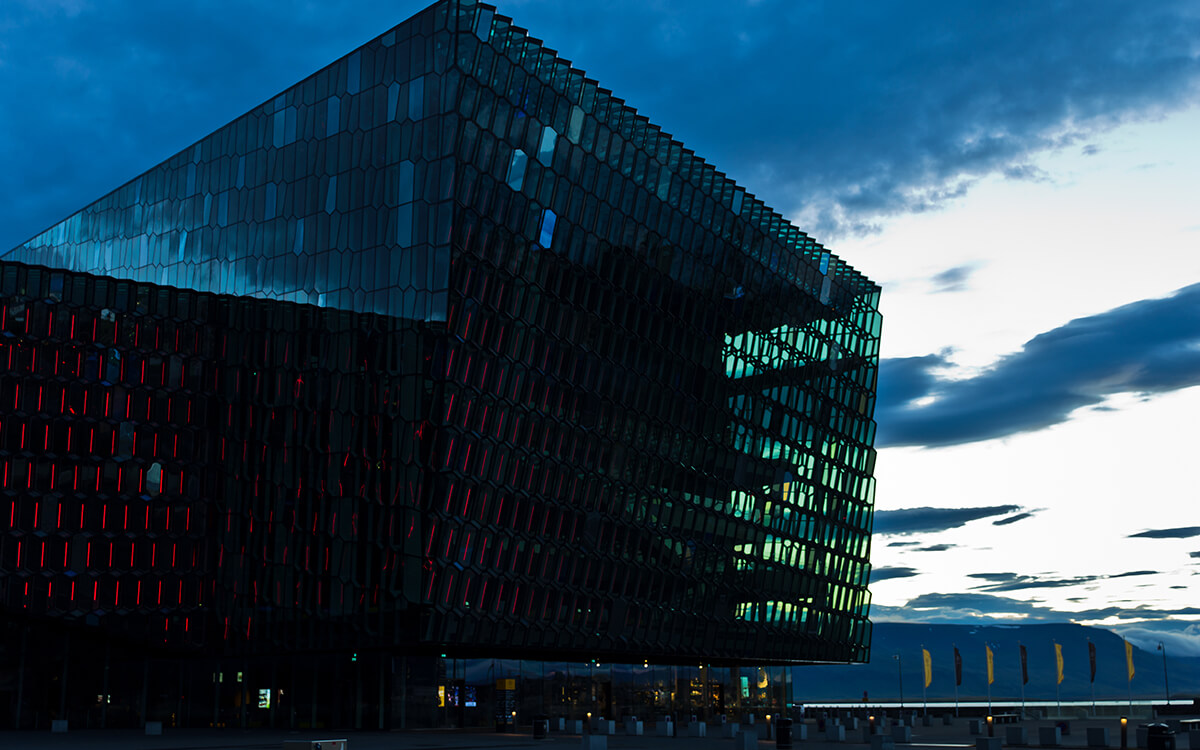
(883, 574)
(1180, 639)
(936, 548)
(913, 520)
(993, 576)
(1018, 583)
(965, 607)
(1135, 573)
(1014, 582)
(917, 103)
(1146, 347)
(1190, 554)
(953, 279)
(1012, 519)
(1179, 532)
(985, 608)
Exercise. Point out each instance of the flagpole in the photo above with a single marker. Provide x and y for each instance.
(1057, 680)
(956, 673)
(925, 674)
(988, 649)
(1020, 653)
(1129, 673)
(1092, 656)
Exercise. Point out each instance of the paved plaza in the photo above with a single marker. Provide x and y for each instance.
(957, 735)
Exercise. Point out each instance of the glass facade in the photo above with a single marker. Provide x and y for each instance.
(444, 349)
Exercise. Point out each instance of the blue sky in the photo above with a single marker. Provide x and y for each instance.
(1021, 177)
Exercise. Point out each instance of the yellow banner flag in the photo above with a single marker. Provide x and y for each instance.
(1058, 661)
(1129, 658)
(991, 674)
(928, 666)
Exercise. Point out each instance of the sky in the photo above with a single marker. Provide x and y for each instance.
(1021, 178)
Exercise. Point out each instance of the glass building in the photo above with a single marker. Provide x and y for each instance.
(450, 371)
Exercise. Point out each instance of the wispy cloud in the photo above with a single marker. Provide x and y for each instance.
(984, 608)
(1179, 532)
(953, 279)
(1012, 519)
(916, 520)
(1014, 582)
(1146, 347)
(883, 574)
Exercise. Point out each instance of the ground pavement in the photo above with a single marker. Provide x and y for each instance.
(937, 737)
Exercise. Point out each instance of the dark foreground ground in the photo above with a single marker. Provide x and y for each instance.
(923, 738)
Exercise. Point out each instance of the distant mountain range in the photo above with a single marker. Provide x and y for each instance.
(880, 679)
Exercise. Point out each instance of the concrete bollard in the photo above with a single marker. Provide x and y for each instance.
(746, 739)
(1049, 736)
(1016, 736)
(882, 742)
(1098, 737)
(594, 742)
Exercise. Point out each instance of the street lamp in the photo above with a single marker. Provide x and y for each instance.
(900, 676)
(1166, 683)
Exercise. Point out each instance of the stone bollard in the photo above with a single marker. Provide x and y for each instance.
(882, 742)
(1098, 737)
(665, 727)
(1049, 736)
(1016, 736)
(594, 742)
(746, 740)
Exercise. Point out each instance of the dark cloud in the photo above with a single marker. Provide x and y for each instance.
(1014, 582)
(1179, 532)
(1146, 347)
(965, 607)
(993, 576)
(914, 544)
(984, 609)
(1090, 149)
(936, 548)
(1012, 519)
(1190, 554)
(953, 279)
(917, 102)
(1019, 583)
(883, 574)
(913, 520)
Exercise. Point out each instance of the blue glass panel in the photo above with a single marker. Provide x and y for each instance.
(516, 170)
(546, 239)
(416, 98)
